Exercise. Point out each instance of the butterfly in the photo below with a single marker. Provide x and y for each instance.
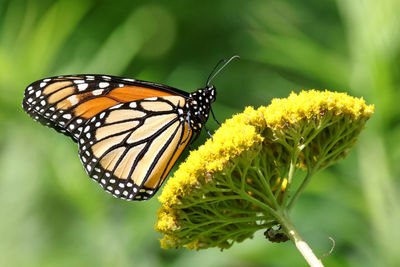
(129, 132)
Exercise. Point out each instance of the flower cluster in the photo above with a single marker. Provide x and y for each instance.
(241, 180)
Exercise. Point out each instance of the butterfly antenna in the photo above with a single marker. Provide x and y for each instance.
(215, 73)
(213, 70)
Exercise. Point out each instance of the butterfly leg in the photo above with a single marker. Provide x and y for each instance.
(212, 113)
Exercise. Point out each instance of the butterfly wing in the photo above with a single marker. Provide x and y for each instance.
(66, 103)
(130, 147)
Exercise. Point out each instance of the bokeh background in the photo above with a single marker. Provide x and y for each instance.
(52, 214)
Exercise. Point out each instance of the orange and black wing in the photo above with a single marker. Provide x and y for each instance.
(66, 103)
(130, 148)
(130, 132)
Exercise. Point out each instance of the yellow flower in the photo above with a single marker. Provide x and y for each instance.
(239, 181)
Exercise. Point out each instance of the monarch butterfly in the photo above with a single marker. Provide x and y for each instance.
(130, 132)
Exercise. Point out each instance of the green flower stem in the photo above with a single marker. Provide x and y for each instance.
(290, 178)
(283, 218)
(300, 189)
(267, 189)
(301, 245)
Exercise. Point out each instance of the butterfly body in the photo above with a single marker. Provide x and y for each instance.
(129, 132)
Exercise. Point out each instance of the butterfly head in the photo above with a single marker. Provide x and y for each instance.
(199, 105)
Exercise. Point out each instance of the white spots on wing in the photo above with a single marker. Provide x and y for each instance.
(89, 77)
(38, 93)
(54, 117)
(88, 168)
(88, 135)
(47, 80)
(121, 185)
(116, 106)
(121, 85)
(133, 105)
(97, 92)
(106, 77)
(125, 193)
(42, 85)
(82, 86)
(73, 100)
(108, 174)
(30, 100)
(71, 126)
(87, 128)
(79, 121)
(42, 102)
(67, 116)
(97, 124)
(103, 84)
(112, 181)
(102, 115)
(103, 181)
(129, 184)
(128, 80)
(79, 81)
(151, 98)
(52, 109)
(117, 192)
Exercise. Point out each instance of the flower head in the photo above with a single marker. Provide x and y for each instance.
(239, 181)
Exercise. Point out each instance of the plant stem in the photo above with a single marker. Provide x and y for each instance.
(287, 193)
(300, 189)
(301, 245)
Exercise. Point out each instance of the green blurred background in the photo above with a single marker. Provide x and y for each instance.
(52, 214)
